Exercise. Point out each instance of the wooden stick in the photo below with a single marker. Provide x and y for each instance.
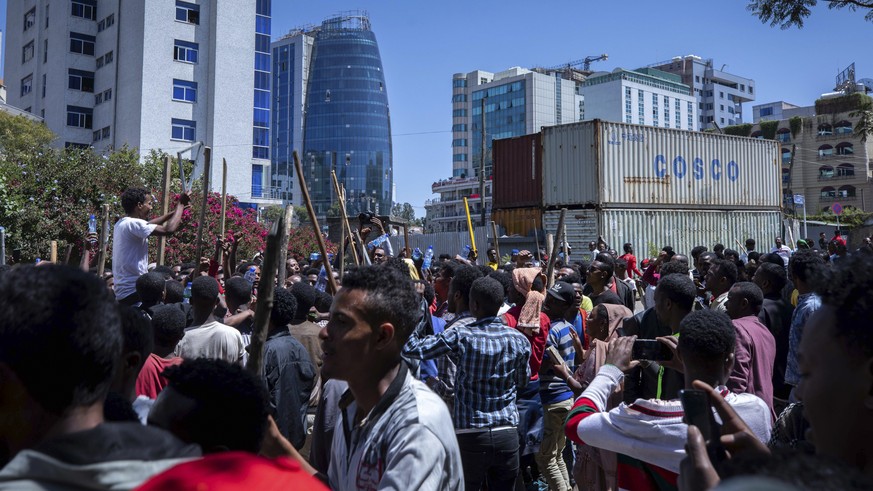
(207, 156)
(283, 252)
(355, 255)
(68, 253)
(104, 239)
(536, 238)
(331, 282)
(550, 272)
(470, 226)
(363, 249)
(53, 255)
(406, 241)
(340, 194)
(223, 228)
(496, 240)
(342, 248)
(165, 207)
(741, 245)
(266, 288)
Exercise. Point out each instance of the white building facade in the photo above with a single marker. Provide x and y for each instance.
(157, 75)
(645, 96)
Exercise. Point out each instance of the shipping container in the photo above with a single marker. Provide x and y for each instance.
(650, 230)
(617, 165)
(518, 221)
(518, 171)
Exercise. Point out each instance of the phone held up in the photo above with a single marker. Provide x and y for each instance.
(651, 350)
(698, 412)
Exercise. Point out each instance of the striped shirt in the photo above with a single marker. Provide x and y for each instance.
(492, 365)
(553, 388)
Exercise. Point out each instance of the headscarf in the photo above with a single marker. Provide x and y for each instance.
(596, 356)
(529, 318)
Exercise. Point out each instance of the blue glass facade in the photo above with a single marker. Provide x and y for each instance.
(261, 104)
(285, 79)
(346, 124)
(504, 118)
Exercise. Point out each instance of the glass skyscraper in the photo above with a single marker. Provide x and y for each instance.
(261, 112)
(346, 121)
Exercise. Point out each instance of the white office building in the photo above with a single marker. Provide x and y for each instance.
(645, 96)
(156, 75)
(720, 95)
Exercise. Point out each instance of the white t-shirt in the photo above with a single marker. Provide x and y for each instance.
(212, 340)
(130, 253)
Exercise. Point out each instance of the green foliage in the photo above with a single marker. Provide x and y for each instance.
(302, 215)
(846, 103)
(864, 126)
(302, 242)
(654, 250)
(851, 217)
(768, 129)
(795, 124)
(791, 13)
(273, 213)
(738, 130)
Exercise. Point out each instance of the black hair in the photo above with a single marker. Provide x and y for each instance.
(485, 270)
(508, 268)
(718, 248)
(755, 256)
(806, 265)
(168, 324)
(627, 247)
(175, 292)
(750, 242)
(310, 271)
(284, 307)
(488, 294)
(670, 252)
(727, 269)
(505, 279)
(706, 254)
(185, 266)
(608, 264)
(674, 267)
(232, 405)
(574, 278)
(306, 296)
(731, 252)
(606, 298)
(795, 470)
(537, 284)
(750, 292)
(390, 297)
(849, 292)
(707, 335)
(398, 264)
(771, 258)
(242, 268)
(204, 288)
(775, 274)
(620, 263)
(444, 256)
(323, 301)
(150, 287)
(165, 271)
(131, 197)
(463, 280)
(679, 289)
(429, 293)
(448, 269)
(697, 251)
(136, 332)
(60, 333)
(237, 291)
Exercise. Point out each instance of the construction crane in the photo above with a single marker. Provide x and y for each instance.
(585, 63)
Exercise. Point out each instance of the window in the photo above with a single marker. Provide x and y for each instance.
(828, 193)
(459, 98)
(26, 85)
(846, 170)
(742, 87)
(184, 90)
(459, 142)
(846, 191)
(102, 97)
(825, 151)
(81, 80)
(43, 85)
(459, 82)
(721, 95)
(721, 107)
(257, 180)
(697, 78)
(783, 135)
(74, 145)
(45, 50)
(459, 113)
(80, 117)
(825, 130)
(786, 155)
(459, 157)
(183, 129)
(185, 51)
(30, 18)
(187, 12)
(98, 99)
(99, 62)
(46, 16)
(842, 128)
(845, 148)
(27, 52)
(459, 127)
(82, 43)
(86, 9)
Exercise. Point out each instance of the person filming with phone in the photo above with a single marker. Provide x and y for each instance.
(649, 435)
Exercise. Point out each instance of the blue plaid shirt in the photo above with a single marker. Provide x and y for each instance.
(807, 304)
(493, 362)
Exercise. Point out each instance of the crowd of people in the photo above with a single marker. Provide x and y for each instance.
(712, 370)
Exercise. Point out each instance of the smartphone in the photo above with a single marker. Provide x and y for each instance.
(651, 349)
(698, 412)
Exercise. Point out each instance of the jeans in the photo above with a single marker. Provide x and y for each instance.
(489, 456)
(550, 459)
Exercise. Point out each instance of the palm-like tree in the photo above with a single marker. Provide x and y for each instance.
(864, 126)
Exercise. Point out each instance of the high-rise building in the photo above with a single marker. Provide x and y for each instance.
(291, 57)
(159, 75)
(331, 106)
(644, 96)
(517, 101)
(720, 95)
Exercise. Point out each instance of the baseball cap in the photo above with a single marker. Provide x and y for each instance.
(515, 252)
(563, 291)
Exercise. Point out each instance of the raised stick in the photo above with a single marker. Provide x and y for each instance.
(331, 282)
(266, 288)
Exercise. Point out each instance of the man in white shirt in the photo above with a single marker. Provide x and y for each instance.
(208, 338)
(782, 250)
(130, 246)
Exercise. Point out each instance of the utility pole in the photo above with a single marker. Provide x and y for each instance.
(482, 167)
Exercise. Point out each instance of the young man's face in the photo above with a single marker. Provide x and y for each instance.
(143, 210)
(347, 340)
(833, 376)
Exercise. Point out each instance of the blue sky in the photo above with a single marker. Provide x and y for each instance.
(424, 43)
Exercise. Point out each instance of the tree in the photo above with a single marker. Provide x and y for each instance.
(790, 13)
(404, 211)
(864, 126)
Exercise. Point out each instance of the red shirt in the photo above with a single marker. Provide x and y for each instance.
(150, 383)
(631, 265)
(537, 341)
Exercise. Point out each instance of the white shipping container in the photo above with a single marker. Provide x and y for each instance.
(654, 229)
(617, 165)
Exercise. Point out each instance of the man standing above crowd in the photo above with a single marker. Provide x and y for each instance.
(601, 279)
(781, 250)
(130, 246)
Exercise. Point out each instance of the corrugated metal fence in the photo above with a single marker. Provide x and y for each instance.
(451, 243)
